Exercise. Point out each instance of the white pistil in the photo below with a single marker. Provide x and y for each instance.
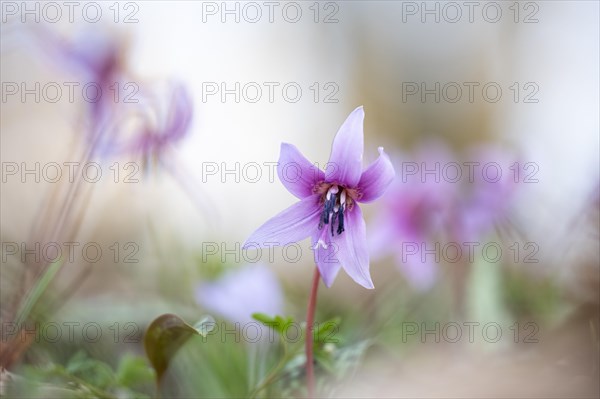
(321, 243)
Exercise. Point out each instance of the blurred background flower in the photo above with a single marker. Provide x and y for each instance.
(415, 215)
(240, 293)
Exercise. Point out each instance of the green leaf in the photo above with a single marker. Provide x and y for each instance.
(485, 295)
(37, 290)
(263, 318)
(133, 371)
(277, 323)
(165, 335)
(326, 332)
(281, 324)
(206, 325)
(325, 360)
(92, 371)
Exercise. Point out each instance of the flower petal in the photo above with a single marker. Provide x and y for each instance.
(291, 225)
(296, 172)
(241, 292)
(352, 250)
(420, 274)
(382, 239)
(324, 252)
(376, 178)
(345, 162)
(180, 114)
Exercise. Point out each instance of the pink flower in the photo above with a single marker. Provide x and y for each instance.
(328, 210)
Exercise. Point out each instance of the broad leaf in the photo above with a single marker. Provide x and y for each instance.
(164, 337)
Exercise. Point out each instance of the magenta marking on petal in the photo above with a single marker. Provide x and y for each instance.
(296, 173)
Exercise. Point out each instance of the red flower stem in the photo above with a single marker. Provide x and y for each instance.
(310, 318)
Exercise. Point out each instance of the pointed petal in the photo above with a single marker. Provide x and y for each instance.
(352, 250)
(292, 225)
(345, 162)
(324, 252)
(376, 178)
(296, 172)
(180, 114)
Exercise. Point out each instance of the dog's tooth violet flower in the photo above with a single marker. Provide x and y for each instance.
(328, 210)
(170, 113)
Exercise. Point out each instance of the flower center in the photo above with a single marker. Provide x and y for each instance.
(336, 201)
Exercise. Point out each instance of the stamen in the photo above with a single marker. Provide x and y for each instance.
(333, 218)
(322, 220)
(328, 208)
(336, 201)
(340, 228)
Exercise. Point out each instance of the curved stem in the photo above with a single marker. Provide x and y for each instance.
(310, 318)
